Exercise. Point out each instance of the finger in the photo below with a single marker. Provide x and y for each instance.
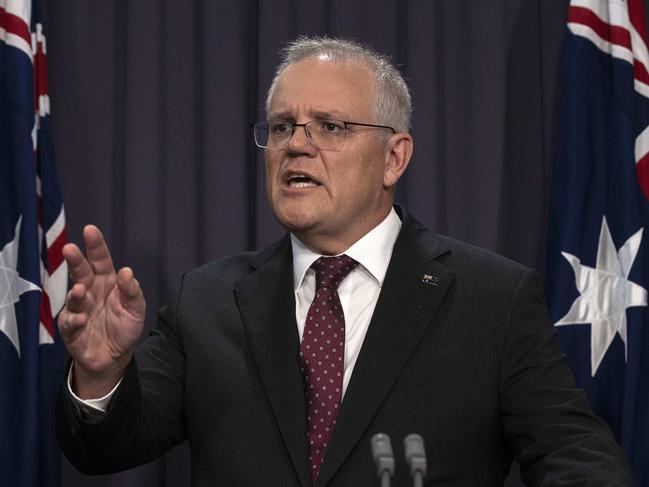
(80, 270)
(76, 299)
(130, 290)
(70, 324)
(127, 283)
(98, 254)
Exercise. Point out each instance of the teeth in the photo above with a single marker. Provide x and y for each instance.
(301, 181)
(301, 184)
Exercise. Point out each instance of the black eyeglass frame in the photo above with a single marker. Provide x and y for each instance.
(294, 125)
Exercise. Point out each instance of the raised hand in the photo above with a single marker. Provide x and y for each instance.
(103, 316)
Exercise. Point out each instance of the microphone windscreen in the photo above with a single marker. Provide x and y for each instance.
(381, 446)
(382, 453)
(414, 446)
(415, 453)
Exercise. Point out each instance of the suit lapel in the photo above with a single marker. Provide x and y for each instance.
(413, 289)
(267, 305)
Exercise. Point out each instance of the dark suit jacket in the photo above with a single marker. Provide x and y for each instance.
(459, 350)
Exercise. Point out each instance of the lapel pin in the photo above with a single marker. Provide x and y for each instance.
(430, 280)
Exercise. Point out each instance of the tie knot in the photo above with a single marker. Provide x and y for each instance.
(330, 271)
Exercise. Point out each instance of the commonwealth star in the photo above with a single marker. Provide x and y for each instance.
(11, 287)
(605, 293)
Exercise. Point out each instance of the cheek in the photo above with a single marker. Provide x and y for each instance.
(272, 165)
(362, 174)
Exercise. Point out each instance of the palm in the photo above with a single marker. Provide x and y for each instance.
(111, 329)
(104, 315)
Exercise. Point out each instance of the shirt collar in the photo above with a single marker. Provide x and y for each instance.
(373, 251)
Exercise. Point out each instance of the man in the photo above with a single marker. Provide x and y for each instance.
(279, 366)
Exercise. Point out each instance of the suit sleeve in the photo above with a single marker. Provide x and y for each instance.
(555, 437)
(144, 418)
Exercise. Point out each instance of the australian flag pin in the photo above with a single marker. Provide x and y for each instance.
(430, 280)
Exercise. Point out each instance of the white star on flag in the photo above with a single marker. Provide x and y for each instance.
(11, 287)
(605, 293)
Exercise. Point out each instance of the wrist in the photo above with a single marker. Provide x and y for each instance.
(90, 384)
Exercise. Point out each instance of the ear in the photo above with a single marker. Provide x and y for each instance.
(398, 151)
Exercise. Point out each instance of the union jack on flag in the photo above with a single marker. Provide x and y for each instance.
(597, 255)
(33, 274)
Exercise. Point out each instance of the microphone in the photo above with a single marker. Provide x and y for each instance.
(416, 458)
(383, 457)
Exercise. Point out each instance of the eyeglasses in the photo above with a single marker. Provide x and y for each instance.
(322, 134)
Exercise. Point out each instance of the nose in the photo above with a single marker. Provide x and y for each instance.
(299, 143)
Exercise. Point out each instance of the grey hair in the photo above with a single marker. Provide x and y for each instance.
(392, 106)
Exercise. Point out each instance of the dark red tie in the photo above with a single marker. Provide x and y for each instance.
(322, 355)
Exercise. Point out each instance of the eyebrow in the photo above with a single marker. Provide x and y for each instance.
(334, 114)
(280, 116)
(289, 116)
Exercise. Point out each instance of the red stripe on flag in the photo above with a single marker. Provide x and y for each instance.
(55, 252)
(614, 34)
(636, 14)
(15, 25)
(640, 72)
(46, 314)
(642, 172)
(611, 33)
(40, 64)
(637, 17)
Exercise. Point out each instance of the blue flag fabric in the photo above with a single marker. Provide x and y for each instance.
(33, 275)
(598, 242)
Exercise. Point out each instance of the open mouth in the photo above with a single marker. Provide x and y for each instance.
(301, 181)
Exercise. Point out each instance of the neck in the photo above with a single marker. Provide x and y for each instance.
(324, 243)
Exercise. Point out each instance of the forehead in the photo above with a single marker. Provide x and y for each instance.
(315, 86)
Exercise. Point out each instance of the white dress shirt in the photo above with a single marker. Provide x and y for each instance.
(358, 292)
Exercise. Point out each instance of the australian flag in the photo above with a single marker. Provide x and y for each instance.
(33, 275)
(598, 245)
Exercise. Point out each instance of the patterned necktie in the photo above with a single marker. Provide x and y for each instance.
(322, 355)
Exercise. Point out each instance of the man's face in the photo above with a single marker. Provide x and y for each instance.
(344, 196)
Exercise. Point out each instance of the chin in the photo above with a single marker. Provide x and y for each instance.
(296, 220)
(297, 226)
